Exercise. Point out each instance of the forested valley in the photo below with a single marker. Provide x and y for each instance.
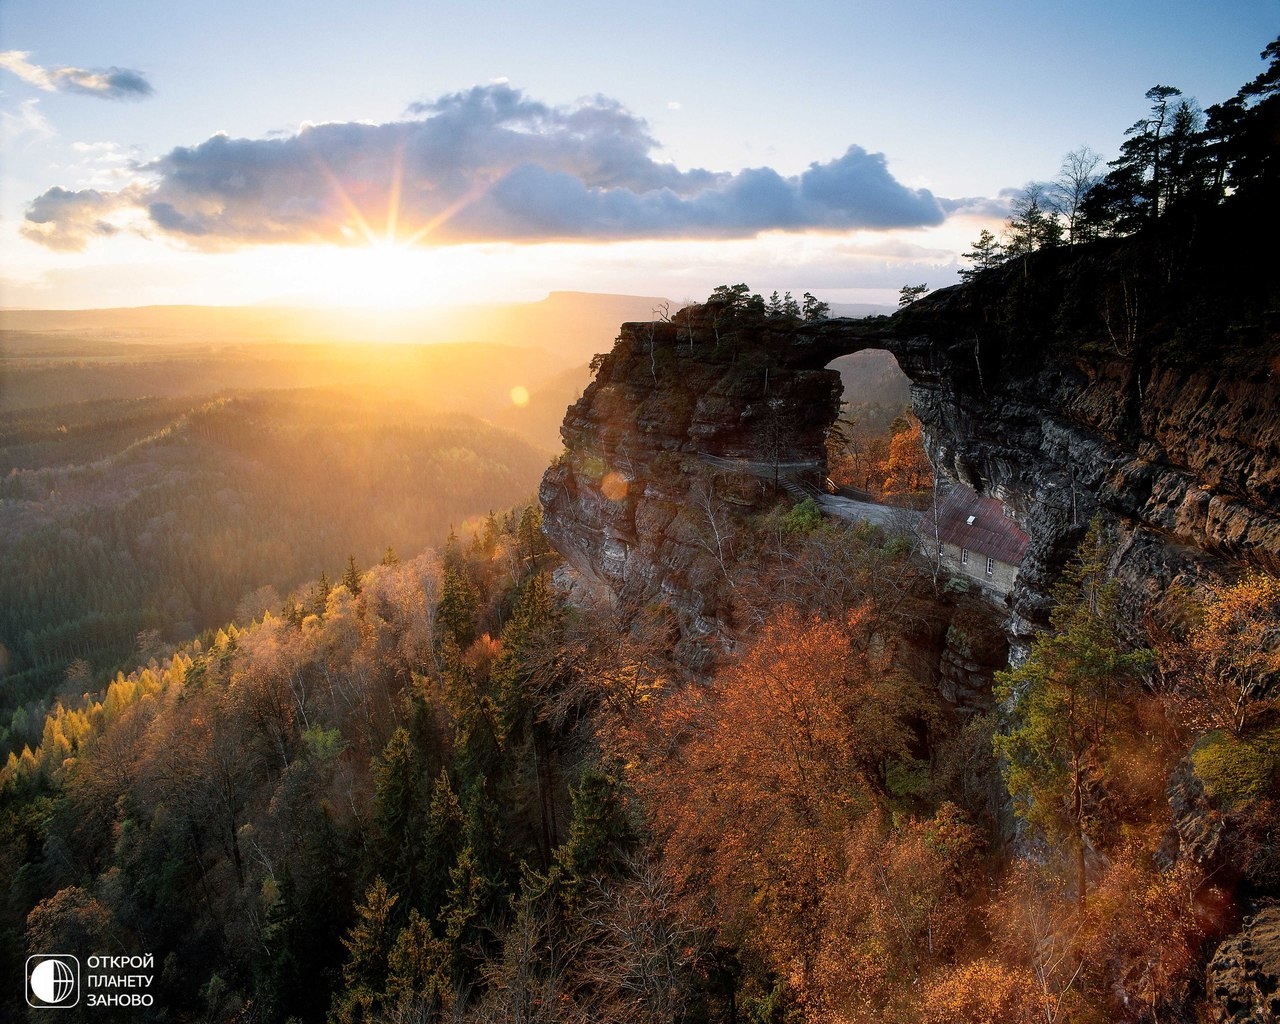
(150, 491)
(435, 791)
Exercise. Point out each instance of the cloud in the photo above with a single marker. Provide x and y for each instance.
(486, 164)
(67, 221)
(23, 122)
(105, 83)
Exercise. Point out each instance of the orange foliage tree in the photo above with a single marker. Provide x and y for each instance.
(773, 802)
(907, 470)
(1229, 663)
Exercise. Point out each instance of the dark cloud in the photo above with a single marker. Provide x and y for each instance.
(488, 164)
(105, 83)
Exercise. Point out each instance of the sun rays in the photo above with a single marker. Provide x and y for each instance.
(357, 225)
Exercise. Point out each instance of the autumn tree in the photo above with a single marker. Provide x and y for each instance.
(907, 469)
(785, 751)
(1228, 666)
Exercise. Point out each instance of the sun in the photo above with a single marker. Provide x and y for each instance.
(379, 276)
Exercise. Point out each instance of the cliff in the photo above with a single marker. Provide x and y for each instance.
(676, 436)
(1135, 378)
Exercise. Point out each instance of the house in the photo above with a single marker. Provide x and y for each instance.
(977, 537)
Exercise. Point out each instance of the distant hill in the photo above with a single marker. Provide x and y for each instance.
(572, 325)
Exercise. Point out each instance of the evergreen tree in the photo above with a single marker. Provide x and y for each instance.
(985, 254)
(600, 832)
(813, 309)
(1063, 707)
(368, 944)
(351, 577)
(398, 812)
(459, 604)
(320, 596)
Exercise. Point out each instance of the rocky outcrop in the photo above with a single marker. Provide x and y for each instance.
(1076, 384)
(686, 427)
(1242, 984)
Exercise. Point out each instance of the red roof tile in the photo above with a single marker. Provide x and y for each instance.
(967, 519)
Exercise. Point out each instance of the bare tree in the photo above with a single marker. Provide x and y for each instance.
(1077, 175)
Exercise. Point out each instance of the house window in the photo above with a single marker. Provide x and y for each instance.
(991, 567)
(964, 556)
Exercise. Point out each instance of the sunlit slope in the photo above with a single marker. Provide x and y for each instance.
(167, 520)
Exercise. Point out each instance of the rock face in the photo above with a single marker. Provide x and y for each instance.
(1242, 984)
(1061, 386)
(669, 442)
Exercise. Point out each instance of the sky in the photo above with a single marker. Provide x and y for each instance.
(389, 153)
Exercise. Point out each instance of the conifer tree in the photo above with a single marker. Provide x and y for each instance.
(1063, 707)
(351, 577)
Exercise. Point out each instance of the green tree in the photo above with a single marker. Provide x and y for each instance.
(368, 944)
(812, 309)
(985, 254)
(398, 805)
(909, 293)
(351, 577)
(1063, 708)
(320, 596)
(459, 604)
(600, 833)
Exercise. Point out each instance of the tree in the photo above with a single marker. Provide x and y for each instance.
(1134, 192)
(1063, 707)
(909, 294)
(1032, 226)
(908, 470)
(368, 944)
(1067, 192)
(768, 767)
(813, 309)
(985, 254)
(1228, 667)
(351, 577)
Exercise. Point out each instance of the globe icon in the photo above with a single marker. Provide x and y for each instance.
(53, 981)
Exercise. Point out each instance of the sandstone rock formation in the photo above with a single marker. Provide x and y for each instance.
(1141, 381)
(1243, 979)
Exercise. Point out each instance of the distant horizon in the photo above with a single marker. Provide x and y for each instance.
(407, 311)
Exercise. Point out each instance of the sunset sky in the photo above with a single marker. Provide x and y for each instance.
(390, 153)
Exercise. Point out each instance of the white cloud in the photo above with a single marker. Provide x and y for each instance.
(24, 122)
(105, 83)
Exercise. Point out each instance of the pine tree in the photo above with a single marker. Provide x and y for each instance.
(320, 596)
(1063, 707)
(351, 578)
(985, 254)
(813, 309)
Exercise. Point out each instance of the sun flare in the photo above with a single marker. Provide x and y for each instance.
(378, 276)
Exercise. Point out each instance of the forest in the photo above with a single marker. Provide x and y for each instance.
(152, 490)
(418, 782)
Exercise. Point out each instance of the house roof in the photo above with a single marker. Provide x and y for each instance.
(967, 519)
